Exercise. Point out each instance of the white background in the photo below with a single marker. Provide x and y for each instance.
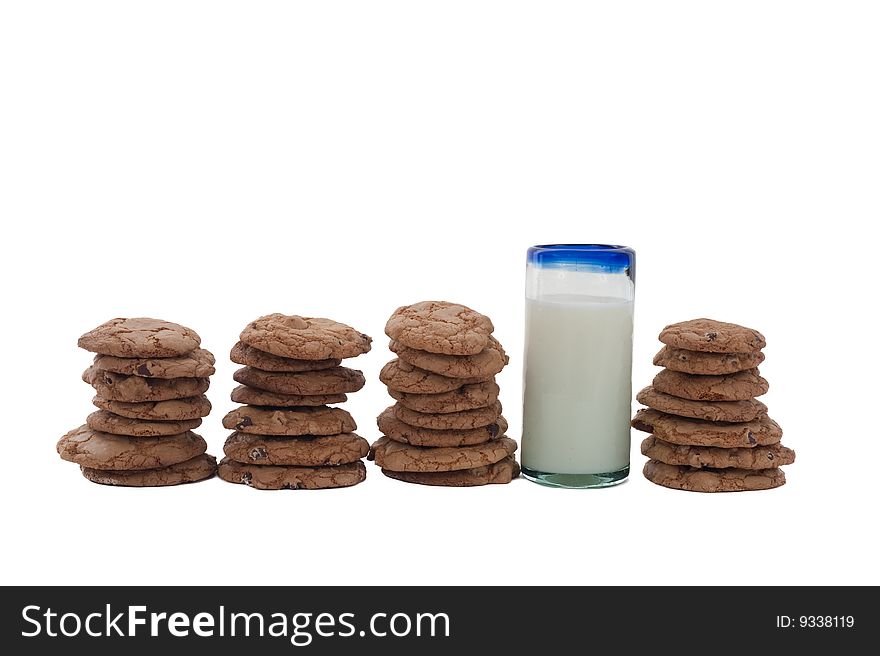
(211, 162)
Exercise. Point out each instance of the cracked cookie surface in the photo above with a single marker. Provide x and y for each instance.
(740, 386)
(762, 431)
(338, 380)
(197, 364)
(758, 457)
(319, 420)
(254, 396)
(137, 389)
(107, 422)
(140, 337)
(396, 456)
(712, 336)
(712, 480)
(403, 377)
(488, 362)
(466, 397)
(274, 477)
(177, 410)
(399, 431)
(440, 327)
(706, 364)
(305, 338)
(498, 473)
(249, 356)
(730, 411)
(117, 452)
(300, 451)
(464, 420)
(193, 470)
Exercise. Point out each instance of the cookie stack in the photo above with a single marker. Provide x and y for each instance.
(446, 427)
(287, 436)
(150, 377)
(708, 431)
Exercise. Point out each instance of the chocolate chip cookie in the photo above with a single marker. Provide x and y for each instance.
(304, 338)
(706, 364)
(759, 457)
(300, 421)
(299, 451)
(247, 355)
(176, 410)
(440, 327)
(713, 337)
(254, 396)
(396, 456)
(140, 338)
(484, 364)
(762, 431)
(740, 386)
(464, 420)
(195, 469)
(497, 473)
(403, 377)
(271, 477)
(106, 422)
(729, 411)
(137, 389)
(712, 480)
(466, 397)
(196, 364)
(401, 432)
(117, 452)
(338, 380)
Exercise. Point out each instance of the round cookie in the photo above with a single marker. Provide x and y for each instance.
(271, 477)
(713, 337)
(117, 452)
(338, 380)
(467, 397)
(464, 420)
(249, 356)
(254, 396)
(498, 473)
(732, 411)
(195, 469)
(106, 422)
(401, 432)
(759, 457)
(484, 364)
(137, 389)
(712, 480)
(740, 386)
(706, 364)
(197, 364)
(299, 451)
(762, 431)
(403, 377)
(176, 410)
(304, 338)
(140, 338)
(396, 456)
(300, 421)
(440, 327)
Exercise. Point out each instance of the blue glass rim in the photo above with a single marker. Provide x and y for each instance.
(606, 258)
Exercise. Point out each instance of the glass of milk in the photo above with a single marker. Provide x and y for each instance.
(577, 380)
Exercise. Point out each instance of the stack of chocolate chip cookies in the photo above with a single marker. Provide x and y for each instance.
(446, 427)
(287, 436)
(709, 433)
(150, 377)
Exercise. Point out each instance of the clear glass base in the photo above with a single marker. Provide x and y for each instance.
(577, 481)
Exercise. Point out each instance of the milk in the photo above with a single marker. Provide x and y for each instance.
(577, 384)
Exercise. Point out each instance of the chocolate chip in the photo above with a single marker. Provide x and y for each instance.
(143, 370)
(752, 439)
(769, 456)
(246, 478)
(258, 453)
(244, 423)
(712, 336)
(493, 430)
